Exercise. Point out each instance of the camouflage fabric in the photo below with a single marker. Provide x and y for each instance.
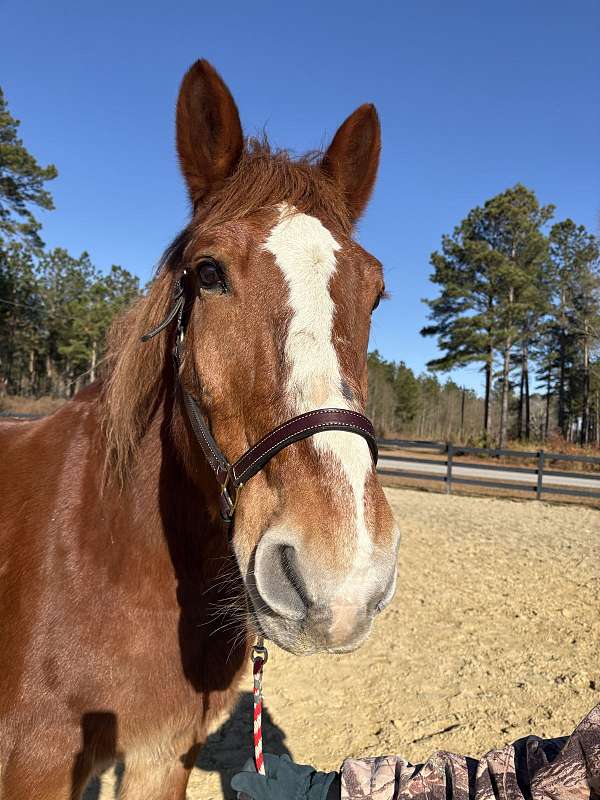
(530, 769)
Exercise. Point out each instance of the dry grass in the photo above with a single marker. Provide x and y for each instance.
(40, 406)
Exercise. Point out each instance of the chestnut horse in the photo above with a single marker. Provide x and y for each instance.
(126, 615)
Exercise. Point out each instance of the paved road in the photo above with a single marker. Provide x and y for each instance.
(387, 463)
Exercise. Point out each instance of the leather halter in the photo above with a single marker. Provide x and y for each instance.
(231, 477)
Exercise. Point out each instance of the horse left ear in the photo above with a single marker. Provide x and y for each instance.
(209, 133)
(353, 157)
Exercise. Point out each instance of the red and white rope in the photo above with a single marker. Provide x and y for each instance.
(259, 659)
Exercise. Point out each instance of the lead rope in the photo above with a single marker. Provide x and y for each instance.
(260, 656)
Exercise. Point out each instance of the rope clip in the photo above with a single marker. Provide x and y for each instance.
(259, 652)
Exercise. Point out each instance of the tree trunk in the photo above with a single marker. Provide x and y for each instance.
(94, 361)
(562, 421)
(527, 395)
(547, 419)
(66, 386)
(31, 372)
(506, 372)
(585, 413)
(520, 409)
(50, 387)
(504, 400)
(487, 416)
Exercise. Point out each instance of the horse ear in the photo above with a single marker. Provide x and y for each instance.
(209, 132)
(353, 157)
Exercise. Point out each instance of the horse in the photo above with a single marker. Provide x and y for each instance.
(127, 613)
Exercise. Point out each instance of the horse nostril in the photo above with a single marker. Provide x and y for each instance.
(289, 565)
(277, 578)
(386, 598)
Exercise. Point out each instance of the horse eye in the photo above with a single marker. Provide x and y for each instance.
(209, 275)
(376, 303)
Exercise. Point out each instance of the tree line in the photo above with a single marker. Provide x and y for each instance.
(401, 403)
(521, 297)
(55, 308)
(421, 406)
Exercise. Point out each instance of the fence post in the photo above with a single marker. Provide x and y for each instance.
(540, 475)
(449, 468)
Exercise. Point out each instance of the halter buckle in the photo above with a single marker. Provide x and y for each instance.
(229, 503)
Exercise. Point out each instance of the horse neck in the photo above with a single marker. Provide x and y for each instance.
(189, 560)
(174, 493)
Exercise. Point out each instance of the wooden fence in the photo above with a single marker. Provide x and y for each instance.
(539, 479)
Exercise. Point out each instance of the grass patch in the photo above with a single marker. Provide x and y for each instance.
(39, 406)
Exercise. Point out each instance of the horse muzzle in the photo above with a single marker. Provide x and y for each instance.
(304, 607)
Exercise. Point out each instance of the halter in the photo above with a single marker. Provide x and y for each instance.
(231, 477)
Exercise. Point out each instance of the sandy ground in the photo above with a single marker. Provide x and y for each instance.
(493, 634)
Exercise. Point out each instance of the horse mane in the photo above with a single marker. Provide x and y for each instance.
(134, 372)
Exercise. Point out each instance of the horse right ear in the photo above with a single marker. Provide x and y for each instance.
(209, 133)
(353, 157)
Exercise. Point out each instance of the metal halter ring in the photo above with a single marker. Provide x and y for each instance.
(259, 651)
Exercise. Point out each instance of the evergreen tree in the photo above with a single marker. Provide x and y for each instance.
(406, 387)
(575, 319)
(491, 277)
(510, 246)
(21, 319)
(381, 400)
(22, 182)
(54, 314)
(546, 357)
(462, 313)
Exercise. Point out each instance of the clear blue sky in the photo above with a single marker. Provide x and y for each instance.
(473, 97)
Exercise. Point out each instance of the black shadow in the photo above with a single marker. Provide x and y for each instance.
(99, 731)
(227, 750)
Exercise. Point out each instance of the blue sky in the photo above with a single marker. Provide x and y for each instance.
(473, 97)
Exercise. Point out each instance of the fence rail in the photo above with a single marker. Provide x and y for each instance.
(19, 415)
(538, 480)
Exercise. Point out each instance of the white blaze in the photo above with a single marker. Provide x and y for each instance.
(305, 251)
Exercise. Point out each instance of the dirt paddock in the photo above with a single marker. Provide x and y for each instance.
(493, 634)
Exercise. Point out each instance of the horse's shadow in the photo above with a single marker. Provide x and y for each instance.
(94, 787)
(227, 749)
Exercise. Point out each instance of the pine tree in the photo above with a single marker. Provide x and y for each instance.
(575, 314)
(491, 274)
(406, 387)
(21, 184)
(21, 319)
(511, 248)
(462, 312)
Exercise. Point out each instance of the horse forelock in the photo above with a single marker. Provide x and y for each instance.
(265, 178)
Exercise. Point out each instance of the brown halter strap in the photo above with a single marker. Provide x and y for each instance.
(231, 477)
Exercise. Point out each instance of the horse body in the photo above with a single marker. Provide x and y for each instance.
(125, 612)
(104, 606)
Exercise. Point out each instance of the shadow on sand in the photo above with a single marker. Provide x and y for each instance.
(228, 748)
